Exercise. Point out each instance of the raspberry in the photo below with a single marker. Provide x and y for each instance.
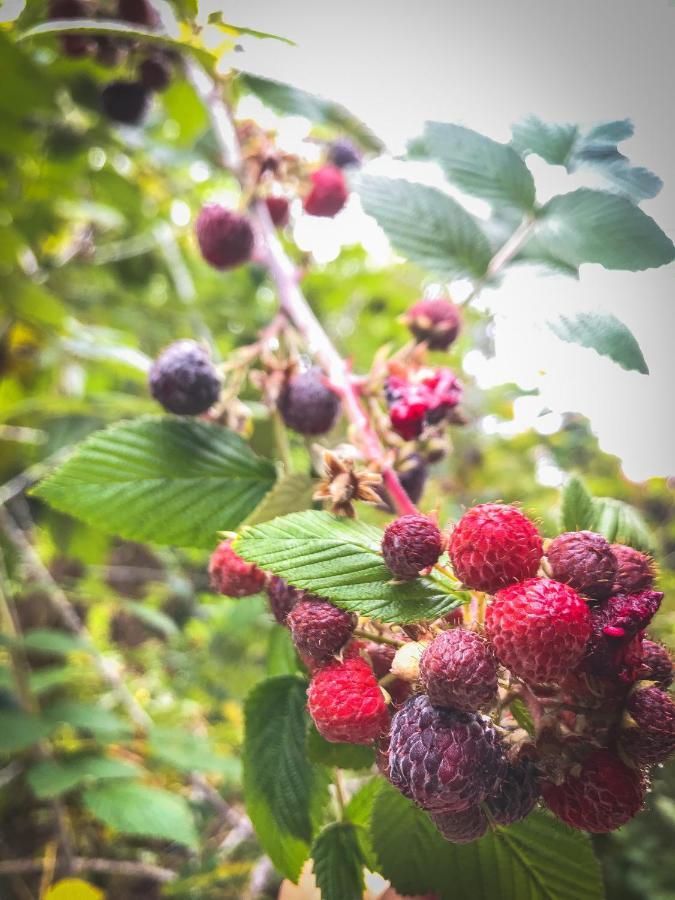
(445, 392)
(231, 575)
(615, 647)
(328, 194)
(184, 380)
(346, 703)
(320, 629)
(443, 759)
(282, 597)
(410, 544)
(635, 571)
(656, 664)
(344, 154)
(155, 73)
(652, 738)
(381, 657)
(278, 209)
(517, 794)
(493, 546)
(459, 669)
(140, 12)
(225, 237)
(307, 404)
(585, 561)
(125, 101)
(602, 797)
(461, 827)
(539, 629)
(426, 396)
(435, 321)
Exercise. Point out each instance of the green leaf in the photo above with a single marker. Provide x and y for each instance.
(342, 756)
(161, 479)
(338, 863)
(20, 730)
(190, 752)
(88, 717)
(522, 715)
(622, 524)
(153, 618)
(340, 559)
(54, 643)
(50, 777)
(578, 513)
(604, 333)
(281, 658)
(359, 811)
(291, 493)
(44, 680)
(216, 18)
(536, 859)
(426, 225)
(133, 808)
(284, 791)
(481, 166)
(554, 143)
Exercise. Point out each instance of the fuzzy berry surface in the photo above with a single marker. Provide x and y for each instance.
(184, 380)
(656, 663)
(443, 759)
(435, 320)
(652, 739)
(279, 209)
(517, 794)
(318, 628)
(225, 237)
(231, 575)
(410, 544)
(602, 797)
(494, 545)
(539, 629)
(282, 597)
(344, 154)
(346, 703)
(125, 101)
(307, 404)
(461, 827)
(459, 669)
(328, 193)
(585, 561)
(155, 73)
(635, 571)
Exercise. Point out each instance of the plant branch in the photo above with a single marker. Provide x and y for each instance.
(377, 638)
(504, 255)
(125, 868)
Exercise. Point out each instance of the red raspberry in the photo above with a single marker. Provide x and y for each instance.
(184, 380)
(517, 793)
(443, 759)
(493, 546)
(656, 664)
(408, 405)
(282, 597)
(461, 827)
(652, 738)
(585, 561)
(328, 194)
(231, 575)
(155, 73)
(308, 405)
(410, 544)
(539, 629)
(225, 237)
(459, 669)
(445, 392)
(635, 570)
(346, 703)
(320, 629)
(436, 321)
(278, 209)
(125, 101)
(602, 797)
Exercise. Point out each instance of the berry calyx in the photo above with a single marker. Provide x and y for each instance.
(635, 571)
(233, 576)
(282, 597)
(319, 629)
(650, 735)
(307, 404)
(346, 703)
(125, 101)
(410, 544)
(184, 380)
(328, 193)
(656, 664)
(585, 561)
(344, 154)
(278, 208)
(461, 827)
(225, 237)
(459, 669)
(539, 629)
(436, 321)
(493, 546)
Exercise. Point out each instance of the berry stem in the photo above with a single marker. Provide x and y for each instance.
(340, 794)
(504, 255)
(377, 638)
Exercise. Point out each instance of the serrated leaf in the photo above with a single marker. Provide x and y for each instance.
(554, 143)
(190, 752)
(481, 166)
(133, 808)
(359, 811)
(291, 493)
(622, 524)
(578, 513)
(536, 859)
(101, 722)
(161, 479)
(426, 225)
(20, 730)
(50, 777)
(340, 559)
(338, 863)
(52, 642)
(342, 756)
(605, 334)
(284, 791)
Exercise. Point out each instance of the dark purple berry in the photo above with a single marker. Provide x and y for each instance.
(343, 154)
(125, 101)
(307, 404)
(183, 379)
(410, 544)
(459, 669)
(155, 73)
(585, 561)
(319, 629)
(225, 237)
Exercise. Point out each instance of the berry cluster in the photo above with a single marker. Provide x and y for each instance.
(422, 397)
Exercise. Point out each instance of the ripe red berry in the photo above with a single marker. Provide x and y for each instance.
(344, 154)
(459, 669)
(278, 208)
(328, 194)
(184, 380)
(155, 73)
(652, 738)
(585, 561)
(282, 597)
(346, 703)
(656, 664)
(425, 397)
(140, 12)
(125, 101)
(231, 575)
(319, 629)
(494, 545)
(602, 797)
(443, 759)
(539, 629)
(436, 321)
(307, 404)
(461, 827)
(225, 237)
(517, 794)
(410, 544)
(635, 570)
